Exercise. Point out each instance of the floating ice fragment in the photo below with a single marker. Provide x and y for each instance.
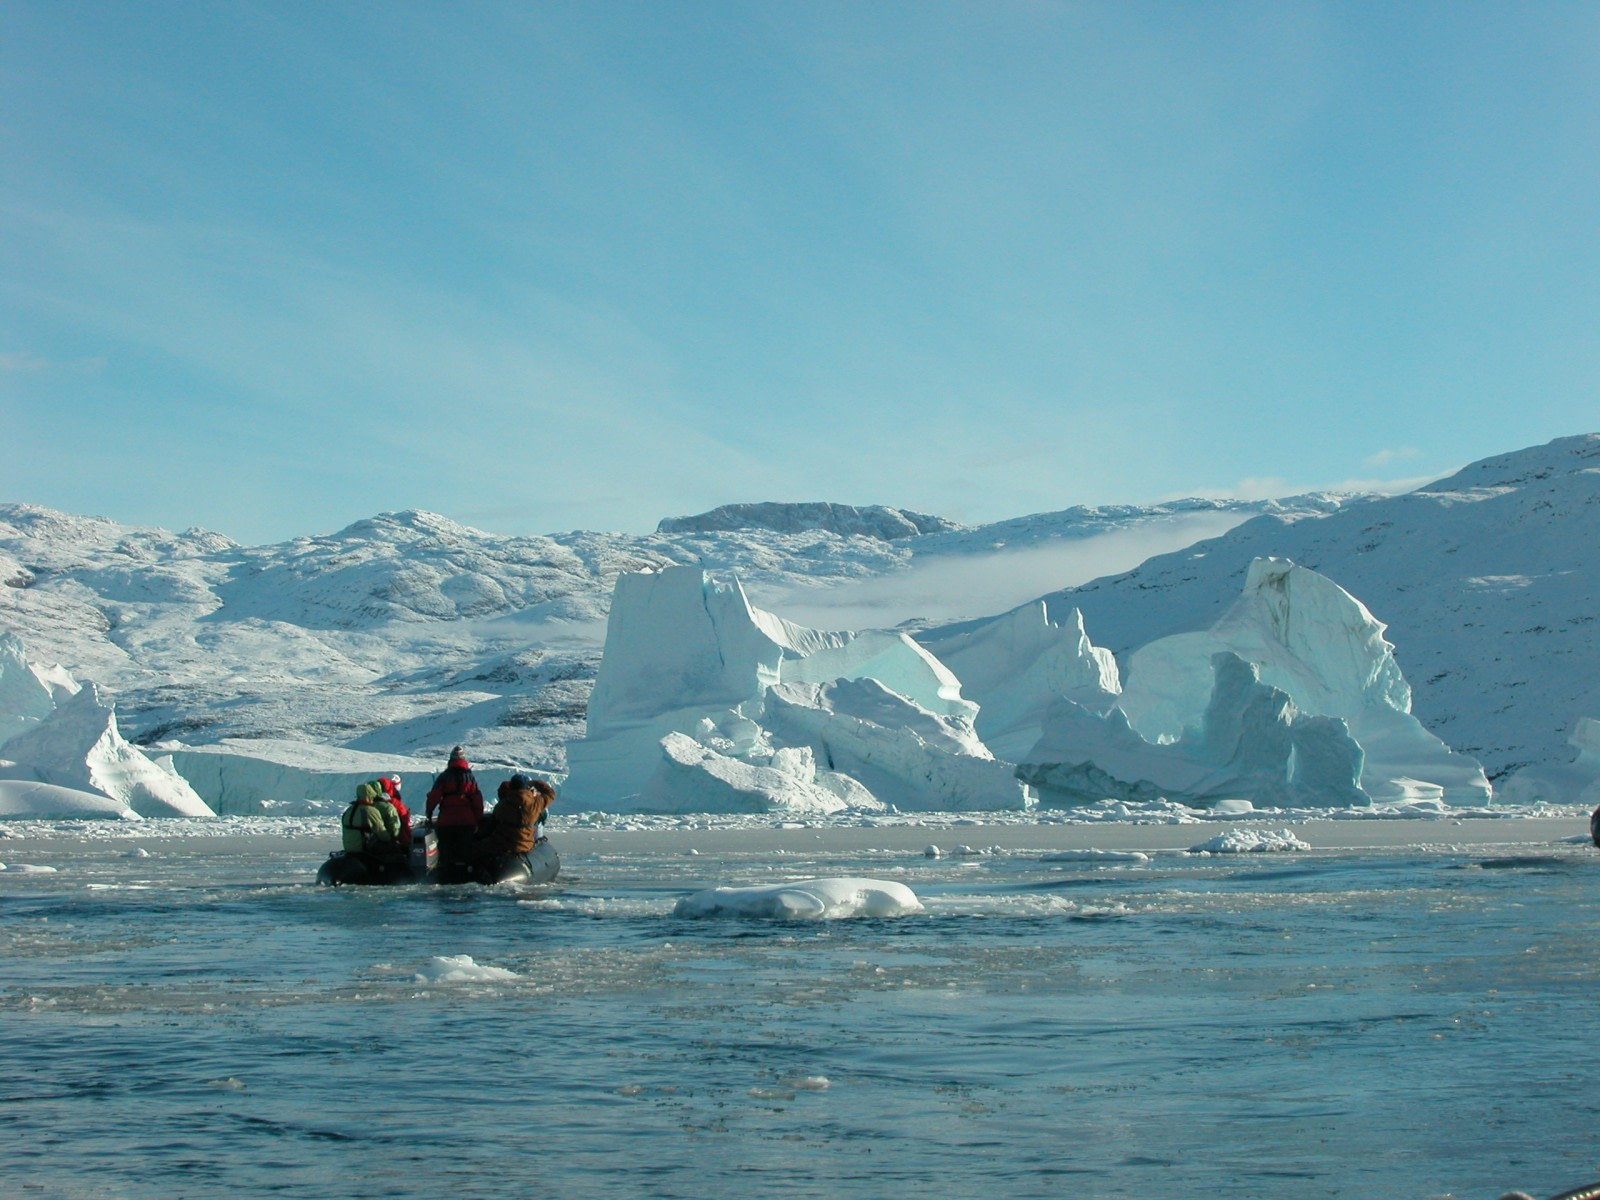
(230, 1083)
(933, 852)
(809, 1083)
(27, 869)
(137, 852)
(1133, 856)
(1250, 841)
(460, 968)
(803, 899)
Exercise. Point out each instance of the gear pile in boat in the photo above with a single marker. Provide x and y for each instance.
(457, 843)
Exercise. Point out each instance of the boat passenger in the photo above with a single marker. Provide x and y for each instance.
(371, 825)
(391, 789)
(459, 804)
(513, 828)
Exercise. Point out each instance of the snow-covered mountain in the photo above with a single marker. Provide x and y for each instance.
(407, 632)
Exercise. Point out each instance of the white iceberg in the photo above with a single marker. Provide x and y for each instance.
(23, 798)
(1250, 841)
(804, 899)
(1318, 644)
(460, 968)
(706, 702)
(78, 746)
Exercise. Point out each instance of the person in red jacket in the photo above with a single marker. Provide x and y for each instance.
(391, 788)
(459, 803)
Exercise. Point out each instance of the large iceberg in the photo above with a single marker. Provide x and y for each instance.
(1318, 644)
(702, 701)
(28, 692)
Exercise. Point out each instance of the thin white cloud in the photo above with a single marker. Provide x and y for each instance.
(1384, 457)
(953, 587)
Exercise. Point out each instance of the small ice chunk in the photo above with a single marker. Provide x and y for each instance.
(1121, 856)
(1250, 841)
(137, 852)
(933, 852)
(459, 968)
(28, 869)
(803, 899)
(1232, 808)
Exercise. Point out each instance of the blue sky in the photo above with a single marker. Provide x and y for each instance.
(272, 267)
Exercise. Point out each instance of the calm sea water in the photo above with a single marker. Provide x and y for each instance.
(207, 1022)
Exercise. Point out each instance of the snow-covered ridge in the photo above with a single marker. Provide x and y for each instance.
(874, 521)
(406, 632)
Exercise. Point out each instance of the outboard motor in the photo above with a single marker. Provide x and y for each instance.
(424, 853)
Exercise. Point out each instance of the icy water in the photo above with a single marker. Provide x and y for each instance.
(205, 1022)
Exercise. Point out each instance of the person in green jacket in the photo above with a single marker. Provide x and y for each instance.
(371, 824)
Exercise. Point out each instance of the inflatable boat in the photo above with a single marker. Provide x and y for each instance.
(422, 865)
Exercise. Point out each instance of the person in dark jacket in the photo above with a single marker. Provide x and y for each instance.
(459, 803)
(513, 828)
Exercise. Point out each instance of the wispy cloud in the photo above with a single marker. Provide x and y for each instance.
(1384, 457)
(938, 587)
(25, 363)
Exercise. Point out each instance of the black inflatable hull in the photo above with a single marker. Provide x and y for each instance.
(344, 867)
(540, 865)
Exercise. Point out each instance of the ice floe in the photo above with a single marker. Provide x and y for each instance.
(804, 899)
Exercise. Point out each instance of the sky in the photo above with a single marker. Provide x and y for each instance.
(272, 267)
